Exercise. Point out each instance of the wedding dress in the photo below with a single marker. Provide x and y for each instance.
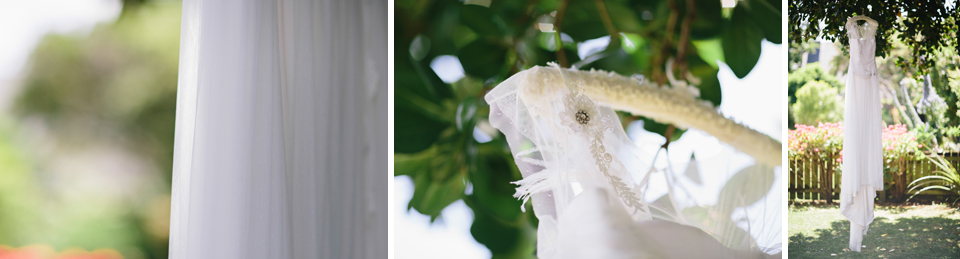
(280, 146)
(862, 141)
(589, 187)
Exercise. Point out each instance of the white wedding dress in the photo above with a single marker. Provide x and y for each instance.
(589, 188)
(862, 173)
(281, 146)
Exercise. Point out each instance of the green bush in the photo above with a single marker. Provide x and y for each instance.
(817, 102)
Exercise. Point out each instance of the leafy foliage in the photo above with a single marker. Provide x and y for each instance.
(945, 79)
(115, 86)
(924, 26)
(435, 121)
(810, 73)
(945, 178)
(798, 78)
(817, 103)
(797, 50)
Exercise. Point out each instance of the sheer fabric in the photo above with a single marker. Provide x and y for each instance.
(280, 143)
(590, 186)
(862, 141)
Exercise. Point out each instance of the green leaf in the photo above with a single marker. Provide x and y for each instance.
(709, 83)
(709, 19)
(431, 196)
(440, 25)
(417, 76)
(548, 41)
(505, 239)
(492, 179)
(747, 186)
(414, 131)
(582, 20)
(412, 164)
(632, 42)
(482, 58)
(619, 61)
(767, 14)
(467, 115)
(741, 43)
(480, 19)
(710, 51)
(419, 47)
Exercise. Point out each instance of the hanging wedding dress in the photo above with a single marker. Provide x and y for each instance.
(281, 130)
(590, 189)
(862, 141)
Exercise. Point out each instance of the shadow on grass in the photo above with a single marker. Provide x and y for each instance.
(914, 237)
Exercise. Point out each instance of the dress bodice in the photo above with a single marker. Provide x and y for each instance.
(863, 45)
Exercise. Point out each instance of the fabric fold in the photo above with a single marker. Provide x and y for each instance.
(280, 140)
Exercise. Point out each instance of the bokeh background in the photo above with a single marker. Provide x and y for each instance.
(87, 108)
(453, 170)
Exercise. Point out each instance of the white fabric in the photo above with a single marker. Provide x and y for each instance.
(862, 141)
(587, 184)
(280, 144)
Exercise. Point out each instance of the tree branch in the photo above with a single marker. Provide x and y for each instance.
(557, 24)
(658, 72)
(684, 37)
(527, 13)
(607, 22)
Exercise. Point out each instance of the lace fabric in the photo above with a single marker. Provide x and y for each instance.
(862, 140)
(587, 183)
(862, 45)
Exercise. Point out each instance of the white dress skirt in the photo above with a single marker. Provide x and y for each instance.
(862, 174)
(281, 131)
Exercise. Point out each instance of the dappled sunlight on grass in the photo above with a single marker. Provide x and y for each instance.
(920, 231)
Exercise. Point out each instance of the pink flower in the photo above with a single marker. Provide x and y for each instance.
(920, 146)
(816, 150)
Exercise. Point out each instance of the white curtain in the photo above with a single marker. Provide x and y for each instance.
(281, 148)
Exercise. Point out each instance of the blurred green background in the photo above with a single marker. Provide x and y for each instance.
(444, 144)
(87, 140)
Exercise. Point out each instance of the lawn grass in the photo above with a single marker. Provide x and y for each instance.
(920, 231)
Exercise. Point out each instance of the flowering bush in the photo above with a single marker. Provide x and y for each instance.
(823, 145)
(808, 141)
(48, 252)
(898, 143)
(827, 138)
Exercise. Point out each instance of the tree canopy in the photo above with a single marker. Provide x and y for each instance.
(922, 25)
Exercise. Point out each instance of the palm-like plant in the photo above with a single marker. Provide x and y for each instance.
(945, 178)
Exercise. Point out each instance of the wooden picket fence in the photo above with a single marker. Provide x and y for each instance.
(819, 178)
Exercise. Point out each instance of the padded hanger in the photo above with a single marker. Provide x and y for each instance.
(668, 105)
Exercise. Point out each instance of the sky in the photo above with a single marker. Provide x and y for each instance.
(756, 101)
